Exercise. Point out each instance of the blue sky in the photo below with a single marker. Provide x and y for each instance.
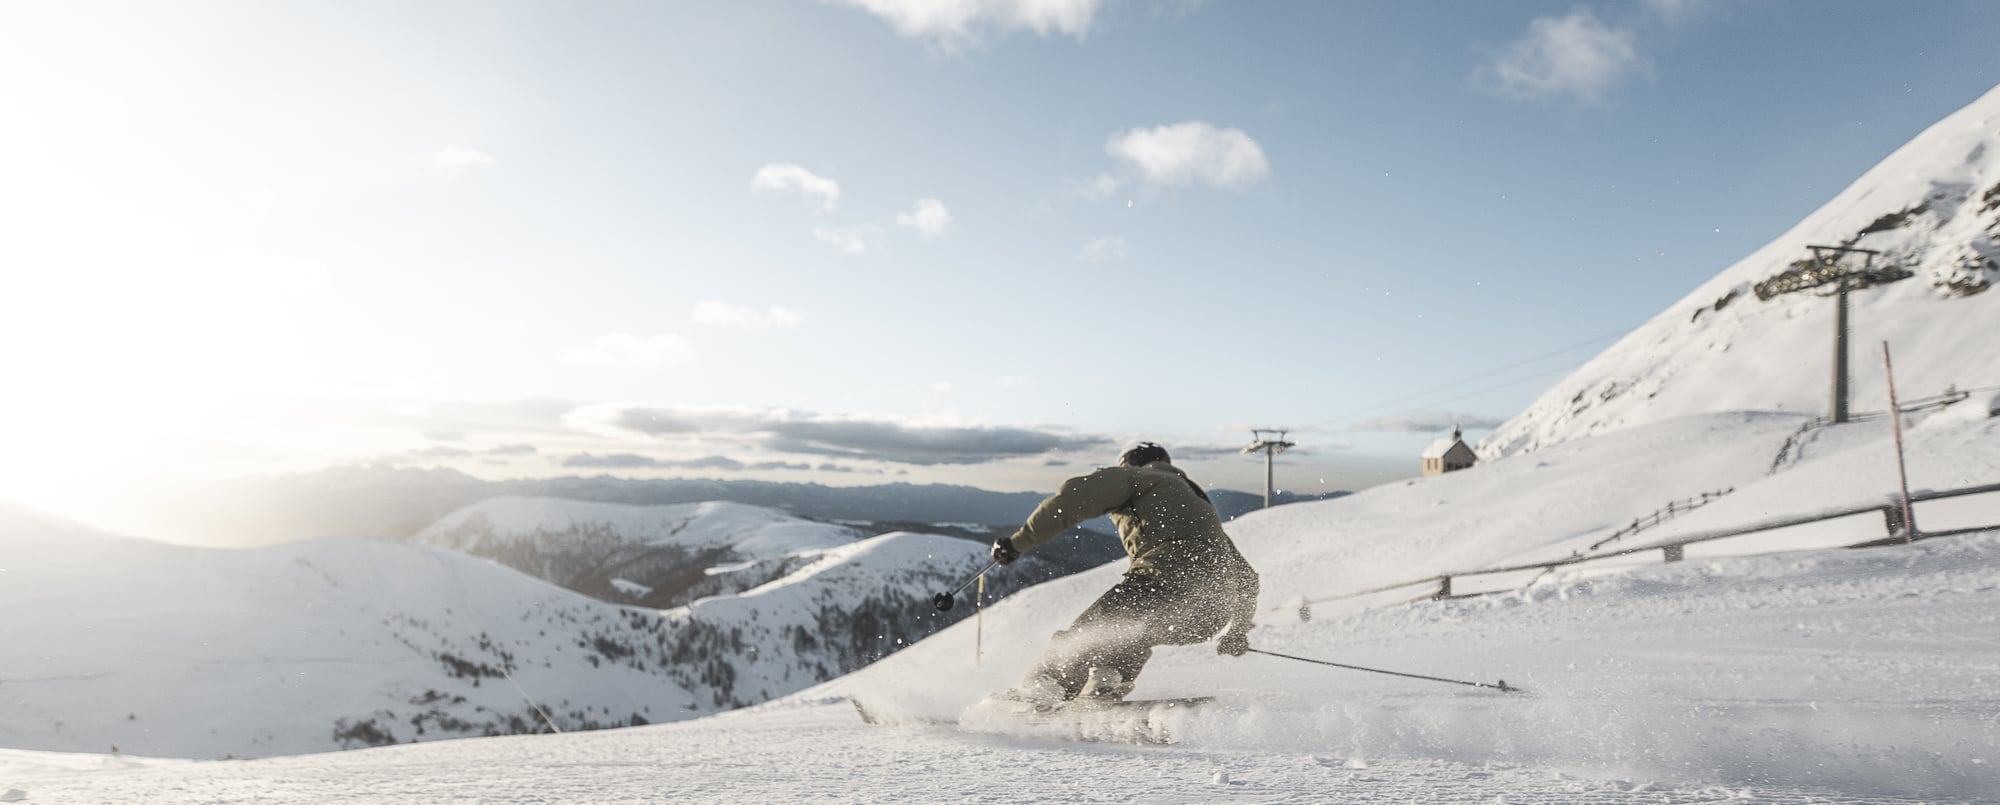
(886, 240)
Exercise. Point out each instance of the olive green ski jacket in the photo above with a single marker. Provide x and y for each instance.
(1169, 528)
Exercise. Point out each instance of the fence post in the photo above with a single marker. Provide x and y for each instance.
(1676, 553)
(1892, 516)
(1444, 587)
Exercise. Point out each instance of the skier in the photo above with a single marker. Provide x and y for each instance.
(1185, 583)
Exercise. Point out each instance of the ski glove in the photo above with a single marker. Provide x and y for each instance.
(1234, 644)
(1003, 551)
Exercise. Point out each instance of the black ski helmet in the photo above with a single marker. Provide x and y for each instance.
(1142, 454)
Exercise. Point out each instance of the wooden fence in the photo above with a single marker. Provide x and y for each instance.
(1675, 550)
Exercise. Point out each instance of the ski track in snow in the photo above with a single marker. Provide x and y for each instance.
(823, 754)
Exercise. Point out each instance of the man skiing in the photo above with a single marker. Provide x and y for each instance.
(1185, 583)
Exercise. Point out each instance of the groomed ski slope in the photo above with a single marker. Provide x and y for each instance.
(1802, 676)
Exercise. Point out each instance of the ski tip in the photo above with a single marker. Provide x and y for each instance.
(866, 717)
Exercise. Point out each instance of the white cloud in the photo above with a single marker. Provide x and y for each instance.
(855, 240)
(929, 218)
(788, 176)
(455, 159)
(1575, 55)
(1190, 153)
(744, 317)
(619, 349)
(1103, 250)
(956, 24)
(795, 432)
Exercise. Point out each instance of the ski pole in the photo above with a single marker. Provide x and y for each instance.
(944, 601)
(1502, 686)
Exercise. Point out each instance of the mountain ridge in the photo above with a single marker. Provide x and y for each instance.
(1932, 211)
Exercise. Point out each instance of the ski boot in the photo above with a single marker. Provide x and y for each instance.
(1104, 686)
(1040, 694)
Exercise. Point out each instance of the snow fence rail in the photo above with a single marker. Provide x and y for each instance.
(1675, 550)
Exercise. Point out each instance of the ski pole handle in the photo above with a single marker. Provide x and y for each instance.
(944, 601)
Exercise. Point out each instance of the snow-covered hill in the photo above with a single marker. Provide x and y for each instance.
(192, 652)
(654, 556)
(1932, 209)
(188, 652)
(664, 556)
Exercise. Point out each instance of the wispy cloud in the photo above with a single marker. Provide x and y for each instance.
(444, 454)
(1103, 250)
(930, 218)
(457, 159)
(1193, 152)
(787, 176)
(616, 461)
(1576, 55)
(1680, 12)
(850, 240)
(1427, 422)
(620, 349)
(806, 433)
(710, 462)
(1100, 187)
(952, 25)
(439, 419)
(744, 317)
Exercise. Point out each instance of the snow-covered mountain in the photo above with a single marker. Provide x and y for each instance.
(197, 652)
(668, 556)
(653, 556)
(1932, 209)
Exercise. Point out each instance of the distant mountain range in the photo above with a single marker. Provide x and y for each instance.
(399, 502)
(671, 555)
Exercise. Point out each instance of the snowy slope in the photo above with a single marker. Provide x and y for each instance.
(1932, 208)
(1874, 670)
(350, 642)
(1825, 676)
(191, 652)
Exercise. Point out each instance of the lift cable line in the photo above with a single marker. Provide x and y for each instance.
(1272, 445)
(1785, 282)
(1481, 376)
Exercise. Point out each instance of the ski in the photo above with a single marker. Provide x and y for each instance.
(1140, 721)
(1134, 721)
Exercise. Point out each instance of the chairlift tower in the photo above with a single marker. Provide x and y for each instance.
(1272, 445)
(1825, 269)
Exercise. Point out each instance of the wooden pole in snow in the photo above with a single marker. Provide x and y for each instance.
(1902, 473)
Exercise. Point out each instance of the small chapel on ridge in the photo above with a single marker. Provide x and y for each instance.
(1448, 455)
